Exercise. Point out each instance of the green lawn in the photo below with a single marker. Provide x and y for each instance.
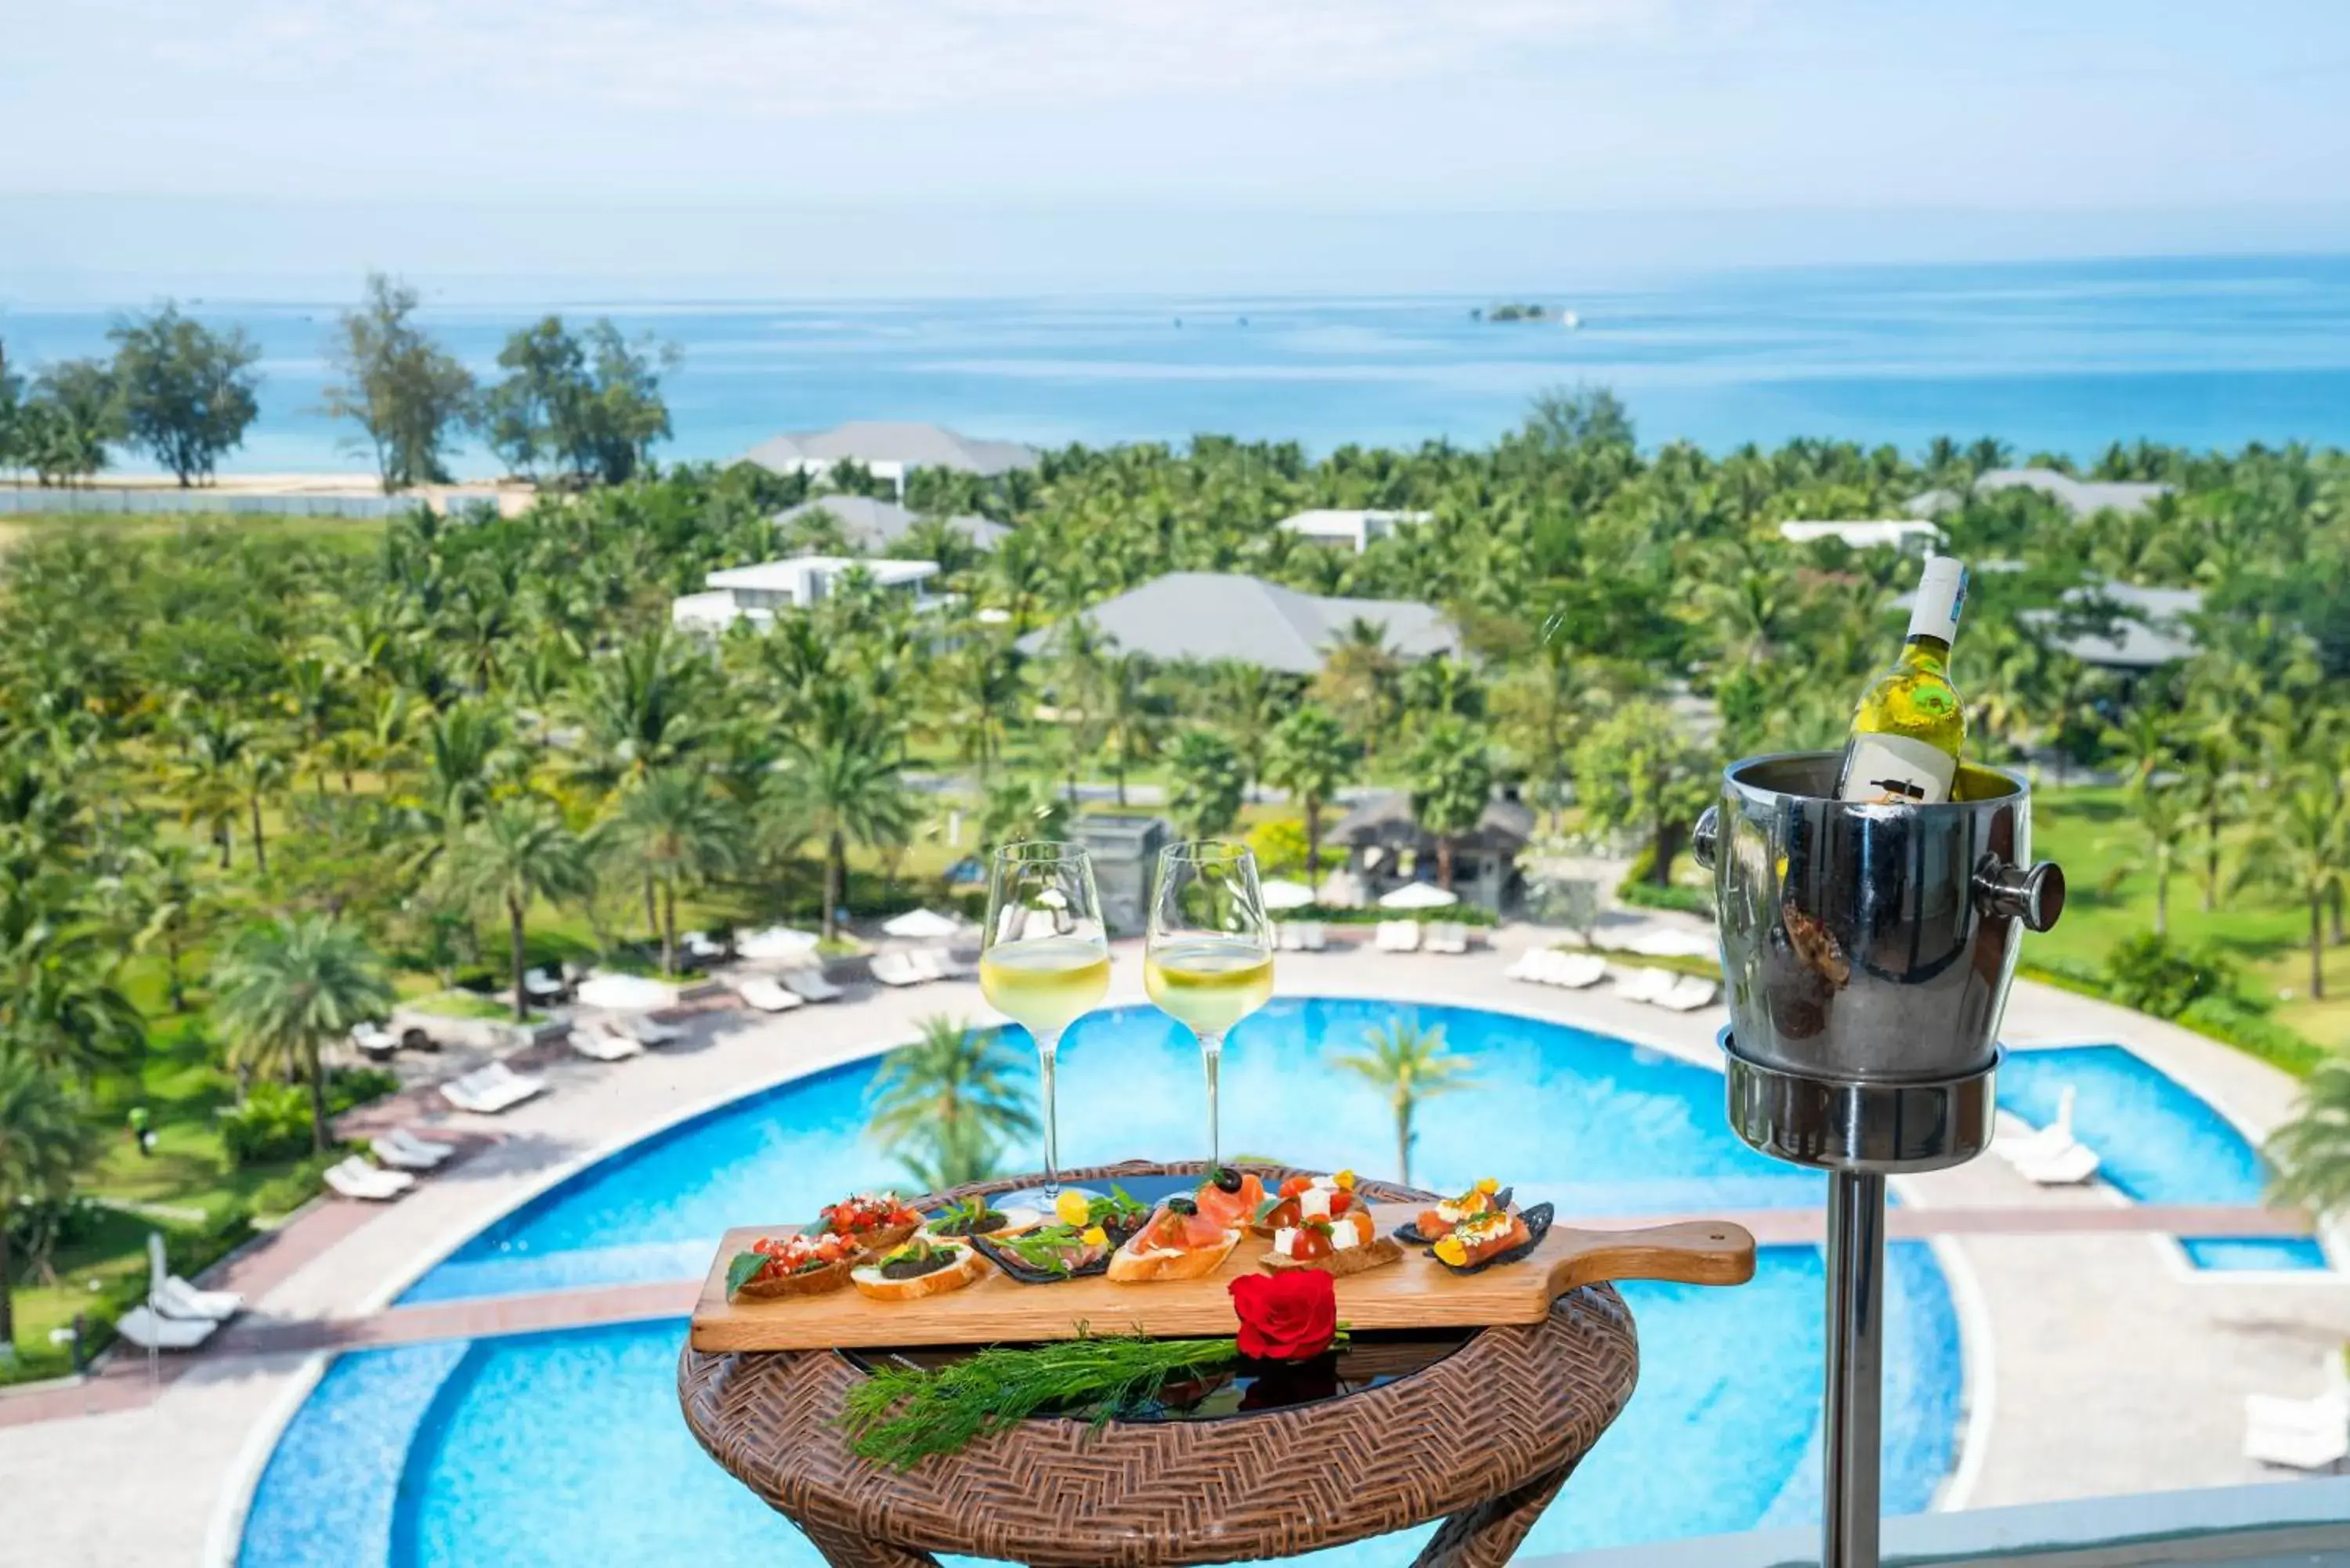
(351, 533)
(2110, 896)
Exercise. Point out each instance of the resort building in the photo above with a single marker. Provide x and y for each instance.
(874, 526)
(1203, 617)
(758, 594)
(1910, 536)
(1386, 849)
(2150, 626)
(1353, 528)
(887, 450)
(2081, 497)
(1123, 850)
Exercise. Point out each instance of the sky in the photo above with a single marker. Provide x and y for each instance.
(957, 145)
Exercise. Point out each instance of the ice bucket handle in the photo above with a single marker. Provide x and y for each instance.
(2035, 896)
(1706, 836)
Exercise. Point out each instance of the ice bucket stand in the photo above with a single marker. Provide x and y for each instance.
(1866, 951)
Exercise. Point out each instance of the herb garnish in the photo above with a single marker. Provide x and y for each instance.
(1119, 1212)
(914, 1260)
(971, 1216)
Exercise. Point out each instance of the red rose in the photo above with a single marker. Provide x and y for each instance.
(1288, 1317)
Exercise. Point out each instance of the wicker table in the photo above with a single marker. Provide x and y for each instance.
(1482, 1438)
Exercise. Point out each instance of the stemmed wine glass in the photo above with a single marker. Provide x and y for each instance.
(1208, 961)
(1043, 958)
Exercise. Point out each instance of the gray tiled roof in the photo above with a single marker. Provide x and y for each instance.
(875, 524)
(2078, 496)
(1206, 615)
(875, 441)
(1505, 823)
(2151, 630)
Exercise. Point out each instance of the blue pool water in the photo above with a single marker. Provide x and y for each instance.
(1585, 1120)
(2157, 1142)
(567, 1447)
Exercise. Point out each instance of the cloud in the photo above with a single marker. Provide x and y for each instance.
(802, 57)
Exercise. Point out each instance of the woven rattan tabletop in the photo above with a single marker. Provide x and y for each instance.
(1482, 1438)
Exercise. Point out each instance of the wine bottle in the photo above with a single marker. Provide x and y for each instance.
(1910, 726)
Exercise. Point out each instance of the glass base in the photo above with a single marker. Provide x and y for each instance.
(1042, 1196)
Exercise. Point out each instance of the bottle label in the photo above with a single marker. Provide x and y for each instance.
(1897, 770)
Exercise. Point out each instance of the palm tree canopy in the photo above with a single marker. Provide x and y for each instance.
(285, 989)
(520, 851)
(951, 1101)
(1405, 1061)
(676, 827)
(2312, 1151)
(44, 1141)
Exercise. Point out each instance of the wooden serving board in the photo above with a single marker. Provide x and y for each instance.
(1418, 1293)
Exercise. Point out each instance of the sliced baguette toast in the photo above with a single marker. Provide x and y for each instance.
(1347, 1261)
(813, 1283)
(968, 1266)
(1129, 1267)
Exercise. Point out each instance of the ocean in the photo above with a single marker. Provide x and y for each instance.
(2062, 356)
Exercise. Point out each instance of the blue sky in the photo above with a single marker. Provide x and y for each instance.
(881, 145)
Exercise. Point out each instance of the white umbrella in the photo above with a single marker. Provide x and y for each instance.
(921, 925)
(777, 942)
(1670, 941)
(1419, 896)
(1342, 890)
(1283, 894)
(626, 994)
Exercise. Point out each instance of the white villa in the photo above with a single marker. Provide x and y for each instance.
(757, 594)
(887, 450)
(1910, 535)
(1354, 527)
(1200, 617)
(2081, 497)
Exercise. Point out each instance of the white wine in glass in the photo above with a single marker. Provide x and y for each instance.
(1208, 961)
(1043, 958)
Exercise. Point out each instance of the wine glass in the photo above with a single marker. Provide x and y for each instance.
(1043, 958)
(1208, 962)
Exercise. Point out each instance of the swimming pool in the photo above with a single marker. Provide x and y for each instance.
(569, 1446)
(2157, 1142)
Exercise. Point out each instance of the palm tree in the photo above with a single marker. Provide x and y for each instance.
(208, 784)
(1129, 716)
(1248, 701)
(1451, 781)
(2163, 815)
(518, 853)
(261, 773)
(1312, 758)
(1019, 809)
(2148, 740)
(2214, 802)
(61, 1001)
(43, 1143)
(675, 831)
(638, 709)
(284, 989)
(2312, 1151)
(1407, 1064)
(949, 1103)
(1204, 796)
(1359, 678)
(2303, 846)
(840, 786)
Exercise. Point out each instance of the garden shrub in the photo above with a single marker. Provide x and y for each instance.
(2252, 1031)
(351, 1086)
(273, 1123)
(2155, 975)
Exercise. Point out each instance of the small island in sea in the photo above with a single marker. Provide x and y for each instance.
(1513, 311)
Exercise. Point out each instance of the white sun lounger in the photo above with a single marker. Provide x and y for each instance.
(2049, 1141)
(490, 1090)
(2068, 1166)
(928, 963)
(1644, 984)
(2302, 1434)
(764, 994)
(150, 1331)
(1313, 936)
(1397, 936)
(1529, 965)
(355, 1178)
(541, 986)
(1572, 971)
(1447, 937)
(698, 945)
(421, 1148)
(373, 1040)
(1285, 937)
(390, 1154)
(1687, 993)
(175, 1297)
(604, 1044)
(810, 985)
(896, 969)
(646, 1029)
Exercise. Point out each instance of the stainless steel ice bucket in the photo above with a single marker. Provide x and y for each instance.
(1870, 944)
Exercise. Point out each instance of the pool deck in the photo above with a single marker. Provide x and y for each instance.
(2098, 1362)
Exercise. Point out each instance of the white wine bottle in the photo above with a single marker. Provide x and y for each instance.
(1910, 727)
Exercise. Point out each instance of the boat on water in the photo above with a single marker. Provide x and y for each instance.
(1569, 319)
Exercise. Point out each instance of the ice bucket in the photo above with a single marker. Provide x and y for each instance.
(1870, 944)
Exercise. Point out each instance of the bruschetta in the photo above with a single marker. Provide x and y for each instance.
(780, 1266)
(1346, 1244)
(927, 1266)
(974, 1217)
(1481, 1237)
(1230, 1196)
(1485, 1198)
(1178, 1243)
(875, 1221)
(1305, 1198)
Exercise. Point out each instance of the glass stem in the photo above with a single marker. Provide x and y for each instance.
(1212, 1056)
(1048, 1050)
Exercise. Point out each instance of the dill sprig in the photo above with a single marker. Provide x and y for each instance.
(900, 1416)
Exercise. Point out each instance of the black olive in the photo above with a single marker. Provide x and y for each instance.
(1227, 1179)
(1181, 1205)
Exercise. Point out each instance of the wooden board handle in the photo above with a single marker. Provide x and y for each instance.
(1690, 1252)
